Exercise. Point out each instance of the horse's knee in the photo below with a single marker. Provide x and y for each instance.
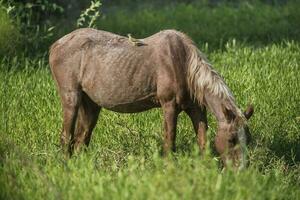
(70, 99)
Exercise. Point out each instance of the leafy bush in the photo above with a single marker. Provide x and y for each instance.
(34, 23)
(206, 22)
(9, 33)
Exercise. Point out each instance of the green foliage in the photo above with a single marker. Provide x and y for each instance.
(254, 23)
(9, 33)
(41, 22)
(34, 23)
(123, 159)
(90, 15)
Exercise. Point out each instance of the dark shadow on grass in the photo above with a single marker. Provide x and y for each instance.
(288, 150)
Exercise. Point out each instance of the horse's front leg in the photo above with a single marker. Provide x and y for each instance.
(199, 120)
(170, 121)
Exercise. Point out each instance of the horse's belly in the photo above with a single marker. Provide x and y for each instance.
(123, 95)
(133, 107)
(124, 103)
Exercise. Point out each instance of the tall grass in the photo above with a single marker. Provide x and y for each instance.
(255, 46)
(123, 160)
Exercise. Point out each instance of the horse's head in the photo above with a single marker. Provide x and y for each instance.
(232, 138)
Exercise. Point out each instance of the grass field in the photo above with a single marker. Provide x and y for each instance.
(123, 160)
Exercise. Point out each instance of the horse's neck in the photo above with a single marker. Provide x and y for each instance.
(216, 106)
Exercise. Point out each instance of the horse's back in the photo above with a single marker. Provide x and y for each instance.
(74, 40)
(79, 39)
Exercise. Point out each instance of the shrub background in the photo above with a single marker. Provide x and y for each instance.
(210, 23)
(9, 34)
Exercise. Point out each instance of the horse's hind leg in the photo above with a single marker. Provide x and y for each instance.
(199, 120)
(70, 103)
(86, 121)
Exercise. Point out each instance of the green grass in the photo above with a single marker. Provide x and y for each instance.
(248, 22)
(210, 25)
(123, 160)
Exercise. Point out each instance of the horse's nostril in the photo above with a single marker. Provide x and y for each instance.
(232, 141)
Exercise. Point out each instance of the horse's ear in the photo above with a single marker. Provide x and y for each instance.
(229, 114)
(249, 111)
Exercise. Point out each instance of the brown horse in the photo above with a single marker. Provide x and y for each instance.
(95, 69)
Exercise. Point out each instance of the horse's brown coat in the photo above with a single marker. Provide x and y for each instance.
(95, 69)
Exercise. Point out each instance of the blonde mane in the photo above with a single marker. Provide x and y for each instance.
(202, 78)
